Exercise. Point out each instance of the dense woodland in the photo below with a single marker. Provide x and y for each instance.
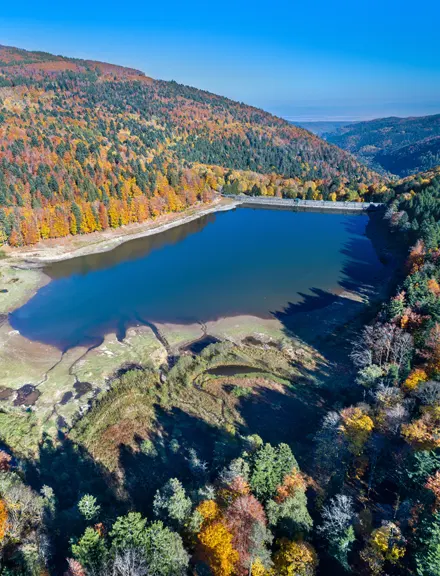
(85, 146)
(397, 146)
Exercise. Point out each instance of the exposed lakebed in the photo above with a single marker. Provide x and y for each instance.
(246, 261)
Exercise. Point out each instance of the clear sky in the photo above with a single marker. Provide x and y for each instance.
(301, 59)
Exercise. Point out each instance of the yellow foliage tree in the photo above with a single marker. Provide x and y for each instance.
(3, 237)
(209, 510)
(386, 544)
(388, 541)
(113, 214)
(44, 230)
(414, 378)
(73, 228)
(357, 427)
(257, 568)
(217, 549)
(294, 559)
(424, 433)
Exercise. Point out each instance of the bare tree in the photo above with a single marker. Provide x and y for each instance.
(429, 393)
(198, 467)
(401, 347)
(237, 467)
(395, 417)
(337, 527)
(330, 450)
(24, 509)
(387, 395)
(362, 352)
(337, 516)
(391, 402)
(130, 562)
(382, 344)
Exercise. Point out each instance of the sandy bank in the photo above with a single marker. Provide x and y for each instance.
(21, 272)
(55, 250)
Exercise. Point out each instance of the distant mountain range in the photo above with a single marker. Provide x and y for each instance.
(322, 127)
(399, 146)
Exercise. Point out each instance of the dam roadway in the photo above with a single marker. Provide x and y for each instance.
(305, 204)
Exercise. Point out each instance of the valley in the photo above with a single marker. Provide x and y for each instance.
(395, 146)
(219, 333)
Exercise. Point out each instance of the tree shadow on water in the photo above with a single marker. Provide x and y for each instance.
(362, 271)
(320, 321)
(321, 317)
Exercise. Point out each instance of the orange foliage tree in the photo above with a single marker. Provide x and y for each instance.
(241, 517)
(292, 483)
(433, 484)
(416, 257)
(3, 520)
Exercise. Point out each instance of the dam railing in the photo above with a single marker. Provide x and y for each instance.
(311, 204)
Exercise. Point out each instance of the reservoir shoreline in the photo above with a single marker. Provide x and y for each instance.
(27, 263)
(47, 252)
(21, 270)
(252, 261)
(56, 250)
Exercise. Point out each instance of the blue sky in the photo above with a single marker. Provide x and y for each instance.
(308, 59)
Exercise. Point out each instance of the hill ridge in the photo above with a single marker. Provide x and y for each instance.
(89, 145)
(400, 146)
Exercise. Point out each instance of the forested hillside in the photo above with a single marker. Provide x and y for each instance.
(87, 145)
(394, 465)
(410, 159)
(400, 146)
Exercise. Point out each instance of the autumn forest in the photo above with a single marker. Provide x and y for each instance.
(87, 146)
(303, 444)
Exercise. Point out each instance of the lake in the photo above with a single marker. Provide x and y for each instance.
(244, 261)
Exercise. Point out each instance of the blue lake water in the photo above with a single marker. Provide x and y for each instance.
(245, 261)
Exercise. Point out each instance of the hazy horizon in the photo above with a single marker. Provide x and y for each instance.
(326, 61)
(354, 113)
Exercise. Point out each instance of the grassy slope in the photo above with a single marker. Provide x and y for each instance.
(142, 406)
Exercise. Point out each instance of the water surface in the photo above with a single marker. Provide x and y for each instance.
(246, 261)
